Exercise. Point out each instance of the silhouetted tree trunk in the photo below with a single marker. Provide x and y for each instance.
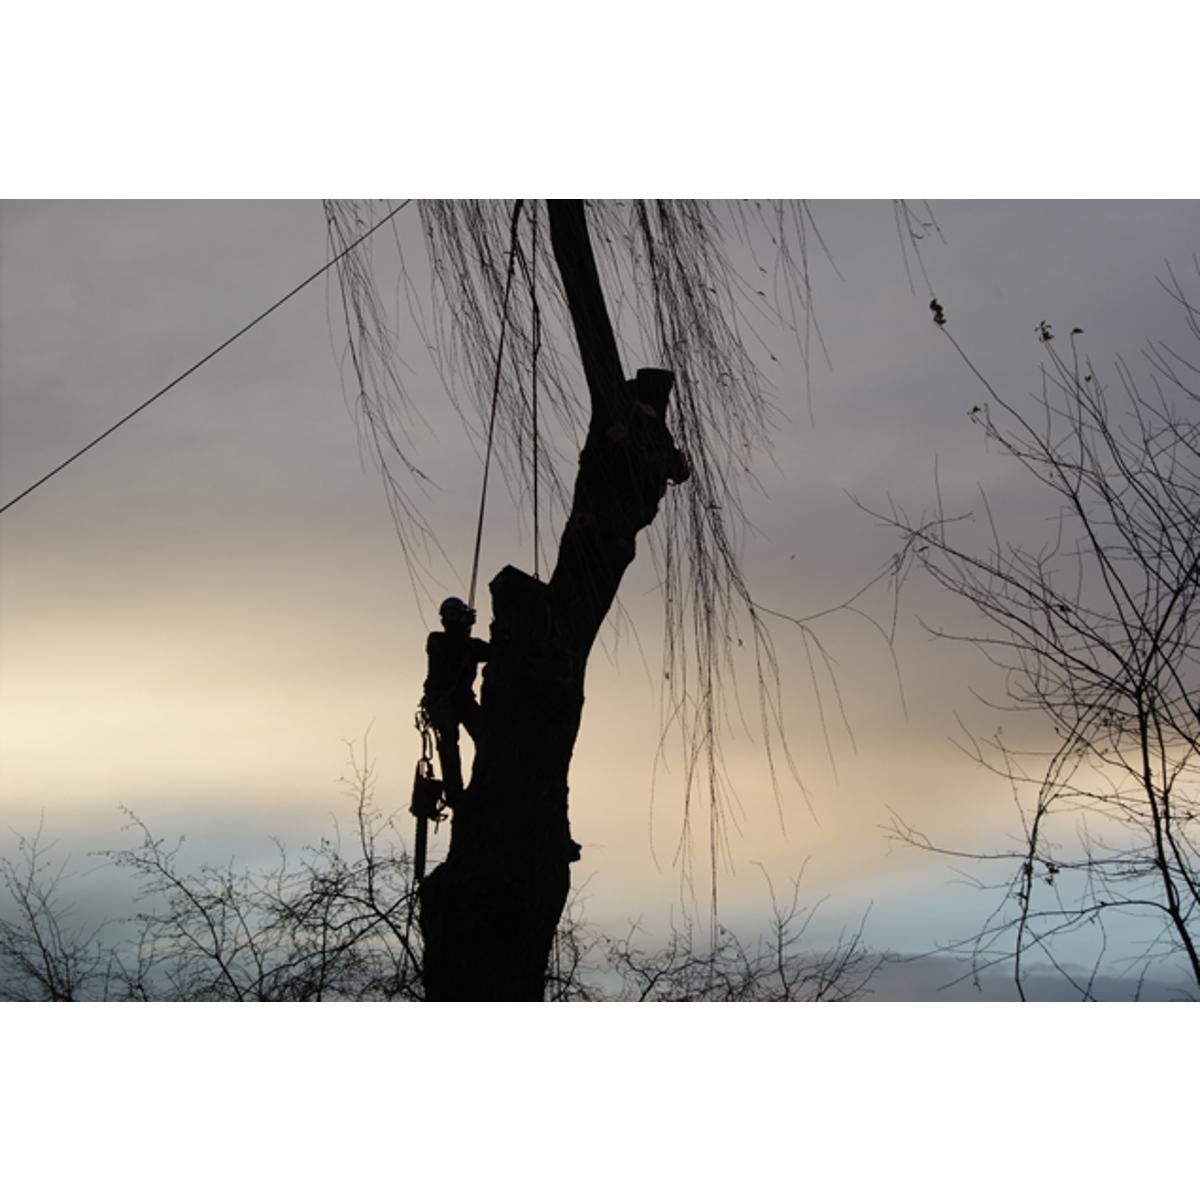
(488, 913)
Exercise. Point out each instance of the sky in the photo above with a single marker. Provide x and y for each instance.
(199, 615)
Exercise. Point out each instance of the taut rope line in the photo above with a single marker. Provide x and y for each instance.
(487, 458)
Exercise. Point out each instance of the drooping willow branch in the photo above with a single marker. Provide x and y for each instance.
(687, 292)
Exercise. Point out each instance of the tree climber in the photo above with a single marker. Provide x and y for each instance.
(449, 700)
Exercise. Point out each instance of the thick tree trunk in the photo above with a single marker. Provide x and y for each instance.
(488, 913)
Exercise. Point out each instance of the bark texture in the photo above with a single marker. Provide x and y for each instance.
(488, 913)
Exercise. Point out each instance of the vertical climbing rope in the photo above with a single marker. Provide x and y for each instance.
(487, 458)
(537, 345)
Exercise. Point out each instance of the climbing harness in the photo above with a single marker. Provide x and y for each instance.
(428, 802)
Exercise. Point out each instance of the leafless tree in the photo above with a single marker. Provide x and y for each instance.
(335, 925)
(772, 968)
(1097, 635)
(48, 949)
(339, 924)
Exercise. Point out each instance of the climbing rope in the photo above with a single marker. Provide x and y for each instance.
(428, 798)
(537, 345)
(487, 458)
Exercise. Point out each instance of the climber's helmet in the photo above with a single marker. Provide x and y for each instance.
(454, 611)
